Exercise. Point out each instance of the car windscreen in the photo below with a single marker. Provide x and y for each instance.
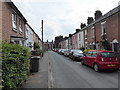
(78, 51)
(108, 55)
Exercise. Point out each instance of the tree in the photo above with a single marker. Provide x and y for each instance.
(57, 40)
(105, 43)
(36, 45)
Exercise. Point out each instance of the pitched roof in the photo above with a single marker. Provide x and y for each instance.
(16, 10)
(110, 13)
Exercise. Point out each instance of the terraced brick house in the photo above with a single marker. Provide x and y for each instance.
(105, 29)
(13, 24)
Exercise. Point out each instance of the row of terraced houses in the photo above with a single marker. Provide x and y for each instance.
(14, 27)
(100, 31)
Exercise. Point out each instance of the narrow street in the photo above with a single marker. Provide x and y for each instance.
(65, 73)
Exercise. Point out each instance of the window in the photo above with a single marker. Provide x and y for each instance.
(94, 54)
(103, 27)
(89, 54)
(108, 55)
(27, 33)
(85, 34)
(17, 41)
(14, 21)
(79, 37)
(20, 25)
(92, 32)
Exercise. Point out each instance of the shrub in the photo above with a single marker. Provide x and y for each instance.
(106, 45)
(15, 65)
(36, 45)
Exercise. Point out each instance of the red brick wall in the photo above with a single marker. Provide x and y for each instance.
(89, 35)
(0, 21)
(119, 30)
(7, 23)
(112, 27)
(98, 31)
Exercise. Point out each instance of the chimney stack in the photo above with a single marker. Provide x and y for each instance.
(70, 35)
(77, 30)
(82, 25)
(90, 20)
(98, 14)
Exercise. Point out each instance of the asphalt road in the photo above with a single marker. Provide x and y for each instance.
(66, 73)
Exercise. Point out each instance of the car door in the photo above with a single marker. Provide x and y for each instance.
(92, 58)
(87, 58)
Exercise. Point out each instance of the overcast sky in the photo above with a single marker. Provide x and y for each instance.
(61, 17)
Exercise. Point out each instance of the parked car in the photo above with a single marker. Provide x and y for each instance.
(61, 51)
(75, 54)
(55, 50)
(66, 52)
(101, 59)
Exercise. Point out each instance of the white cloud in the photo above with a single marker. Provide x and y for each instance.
(61, 17)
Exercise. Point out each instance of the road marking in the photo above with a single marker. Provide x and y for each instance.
(78, 62)
(50, 76)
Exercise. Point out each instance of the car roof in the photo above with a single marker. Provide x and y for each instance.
(101, 51)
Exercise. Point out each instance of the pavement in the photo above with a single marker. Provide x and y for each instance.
(39, 79)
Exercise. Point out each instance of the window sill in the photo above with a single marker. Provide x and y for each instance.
(14, 29)
(103, 34)
(85, 38)
(93, 37)
(20, 32)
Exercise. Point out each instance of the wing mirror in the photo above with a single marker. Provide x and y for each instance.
(72, 52)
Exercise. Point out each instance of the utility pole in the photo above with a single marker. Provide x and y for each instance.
(42, 35)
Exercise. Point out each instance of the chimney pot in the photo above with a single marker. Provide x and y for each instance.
(90, 20)
(98, 14)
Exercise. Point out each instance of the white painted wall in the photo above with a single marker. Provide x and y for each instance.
(29, 36)
(80, 39)
(67, 44)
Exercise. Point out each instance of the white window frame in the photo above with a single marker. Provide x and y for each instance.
(79, 37)
(103, 26)
(14, 21)
(20, 25)
(93, 32)
(85, 34)
(26, 33)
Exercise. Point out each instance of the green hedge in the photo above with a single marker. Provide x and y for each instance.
(15, 65)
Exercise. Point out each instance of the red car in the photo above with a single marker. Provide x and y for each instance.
(101, 59)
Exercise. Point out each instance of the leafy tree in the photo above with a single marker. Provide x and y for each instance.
(36, 45)
(105, 43)
(57, 40)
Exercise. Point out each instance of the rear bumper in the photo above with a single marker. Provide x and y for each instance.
(109, 65)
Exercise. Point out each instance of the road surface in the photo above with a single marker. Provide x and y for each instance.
(65, 73)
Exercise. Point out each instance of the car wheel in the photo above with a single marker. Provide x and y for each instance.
(96, 67)
(82, 62)
(73, 58)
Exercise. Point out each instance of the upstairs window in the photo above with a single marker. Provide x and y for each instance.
(103, 27)
(14, 21)
(26, 33)
(85, 34)
(93, 32)
(20, 25)
(79, 37)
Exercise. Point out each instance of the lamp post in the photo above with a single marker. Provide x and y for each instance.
(42, 35)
